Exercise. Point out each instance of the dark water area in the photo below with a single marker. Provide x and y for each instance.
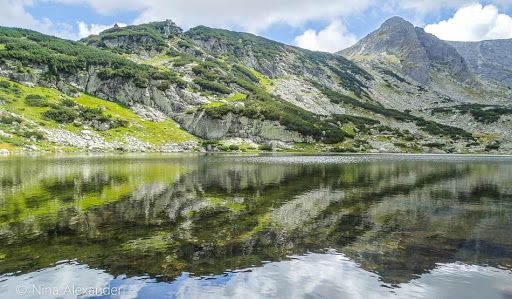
(256, 226)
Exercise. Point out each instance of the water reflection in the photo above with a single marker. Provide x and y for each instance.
(391, 219)
(311, 275)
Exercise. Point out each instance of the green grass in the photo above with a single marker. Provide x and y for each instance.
(146, 131)
(216, 103)
(348, 129)
(265, 81)
(236, 97)
(430, 127)
(154, 133)
(158, 61)
(382, 139)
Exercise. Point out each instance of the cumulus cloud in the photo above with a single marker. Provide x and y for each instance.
(474, 23)
(332, 38)
(13, 14)
(252, 16)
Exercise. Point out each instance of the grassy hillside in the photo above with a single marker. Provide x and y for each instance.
(63, 56)
(25, 115)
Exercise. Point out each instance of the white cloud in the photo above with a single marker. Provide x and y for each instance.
(425, 6)
(13, 14)
(85, 30)
(252, 16)
(108, 6)
(474, 23)
(332, 38)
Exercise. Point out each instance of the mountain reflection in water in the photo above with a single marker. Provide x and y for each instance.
(232, 225)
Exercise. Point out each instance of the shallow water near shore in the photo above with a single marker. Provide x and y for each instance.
(256, 225)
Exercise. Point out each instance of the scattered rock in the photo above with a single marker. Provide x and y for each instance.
(3, 134)
(101, 126)
(148, 113)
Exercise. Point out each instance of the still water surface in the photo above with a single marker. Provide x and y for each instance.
(286, 226)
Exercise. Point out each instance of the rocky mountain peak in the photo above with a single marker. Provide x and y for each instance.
(396, 22)
(416, 49)
(170, 28)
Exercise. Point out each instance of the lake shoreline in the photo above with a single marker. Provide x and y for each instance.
(241, 154)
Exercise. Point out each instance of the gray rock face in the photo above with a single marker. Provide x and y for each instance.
(301, 94)
(173, 100)
(170, 28)
(417, 50)
(441, 52)
(131, 40)
(490, 59)
(235, 126)
(278, 60)
(144, 45)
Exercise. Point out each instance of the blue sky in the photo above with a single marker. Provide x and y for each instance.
(327, 25)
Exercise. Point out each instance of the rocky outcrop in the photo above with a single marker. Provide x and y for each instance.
(145, 41)
(489, 59)
(442, 54)
(301, 94)
(417, 50)
(236, 126)
(92, 141)
(276, 60)
(171, 101)
(154, 105)
(169, 28)
(144, 45)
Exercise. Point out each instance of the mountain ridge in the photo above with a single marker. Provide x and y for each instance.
(238, 91)
(416, 48)
(489, 59)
